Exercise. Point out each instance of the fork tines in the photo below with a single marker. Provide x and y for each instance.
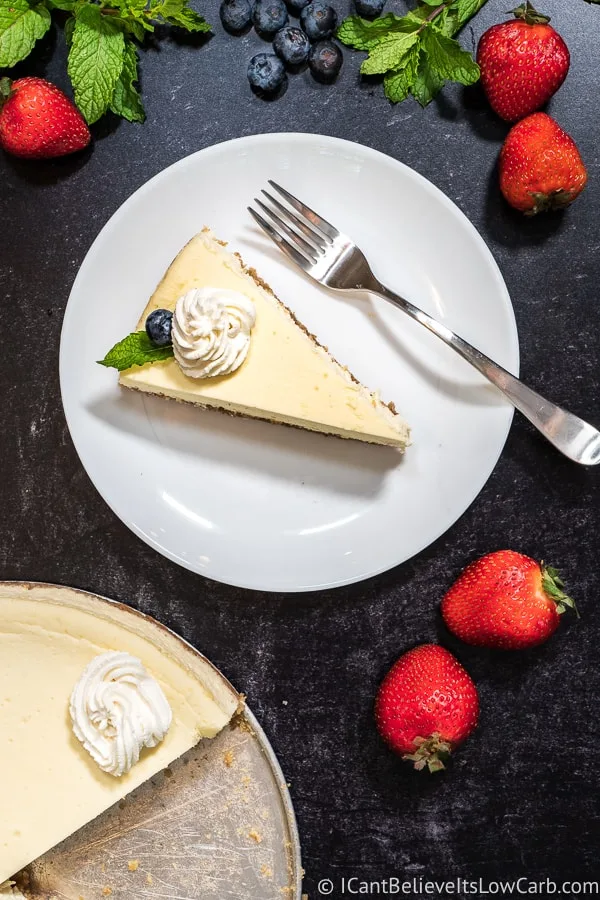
(302, 235)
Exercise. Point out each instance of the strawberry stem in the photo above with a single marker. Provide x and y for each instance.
(555, 200)
(528, 14)
(553, 585)
(431, 752)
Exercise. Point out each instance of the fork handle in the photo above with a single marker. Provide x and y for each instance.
(578, 440)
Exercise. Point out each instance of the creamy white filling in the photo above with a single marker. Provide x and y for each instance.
(117, 709)
(211, 331)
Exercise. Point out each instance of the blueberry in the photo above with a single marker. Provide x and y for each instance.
(269, 16)
(318, 20)
(369, 9)
(158, 327)
(296, 6)
(291, 45)
(325, 61)
(236, 15)
(266, 73)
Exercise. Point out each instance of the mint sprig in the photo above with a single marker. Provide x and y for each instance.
(100, 36)
(415, 53)
(135, 350)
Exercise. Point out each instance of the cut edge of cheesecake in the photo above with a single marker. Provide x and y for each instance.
(394, 429)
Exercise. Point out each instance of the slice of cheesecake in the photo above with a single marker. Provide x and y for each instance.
(51, 786)
(287, 377)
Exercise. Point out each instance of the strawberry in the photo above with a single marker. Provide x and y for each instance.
(540, 167)
(507, 601)
(426, 706)
(523, 63)
(38, 121)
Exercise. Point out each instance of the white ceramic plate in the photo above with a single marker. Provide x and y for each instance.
(260, 505)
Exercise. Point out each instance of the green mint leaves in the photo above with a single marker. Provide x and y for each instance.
(135, 350)
(96, 61)
(126, 101)
(415, 53)
(21, 25)
(100, 36)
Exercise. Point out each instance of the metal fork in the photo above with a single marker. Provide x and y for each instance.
(333, 259)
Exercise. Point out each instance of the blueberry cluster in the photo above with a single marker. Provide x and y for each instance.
(294, 45)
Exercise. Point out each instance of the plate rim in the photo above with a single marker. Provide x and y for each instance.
(377, 155)
(187, 647)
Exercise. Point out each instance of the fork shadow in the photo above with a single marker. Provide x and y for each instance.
(483, 394)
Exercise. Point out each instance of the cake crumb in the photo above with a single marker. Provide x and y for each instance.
(266, 871)
(149, 879)
(106, 891)
(133, 865)
(284, 702)
(228, 758)
(255, 836)
(246, 781)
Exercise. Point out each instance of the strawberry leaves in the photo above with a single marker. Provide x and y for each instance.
(432, 752)
(416, 53)
(554, 586)
(100, 34)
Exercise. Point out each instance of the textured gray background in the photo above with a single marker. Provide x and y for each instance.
(521, 798)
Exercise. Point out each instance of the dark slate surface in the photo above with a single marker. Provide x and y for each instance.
(521, 797)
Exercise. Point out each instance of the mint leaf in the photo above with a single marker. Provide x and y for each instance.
(95, 61)
(427, 83)
(178, 13)
(362, 34)
(65, 5)
(69, 28)
(126, 100)
(397, 85)
(135, 350)
(447, 58)
(21, 25)
(462, 10)
(388, 53)
(137, 27)
(416, 53)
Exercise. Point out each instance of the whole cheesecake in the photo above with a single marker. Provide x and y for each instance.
(288, 377)
(51, 786)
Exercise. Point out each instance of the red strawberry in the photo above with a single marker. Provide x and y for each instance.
(505, 600)
(426, 706)
(523, 63)
(540, 167)
(38, 121)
